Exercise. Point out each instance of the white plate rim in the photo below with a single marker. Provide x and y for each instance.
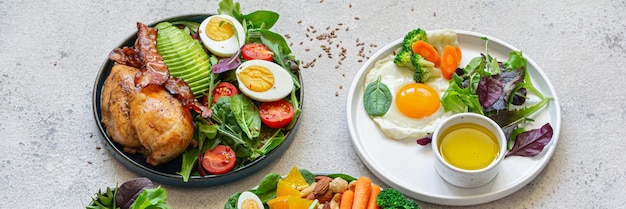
(469, 196)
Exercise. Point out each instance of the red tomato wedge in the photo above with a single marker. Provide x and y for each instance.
(256, 51)
(221, 89)
(276, 114)
(219, 160)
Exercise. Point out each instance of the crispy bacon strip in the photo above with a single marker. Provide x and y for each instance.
(153, 70)
(126, 56)
(181, 90)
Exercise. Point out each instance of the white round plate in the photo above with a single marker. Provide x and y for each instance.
(409, 167)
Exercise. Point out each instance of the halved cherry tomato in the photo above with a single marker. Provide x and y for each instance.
(221, 89)
(256, 51)
(276, 114)
(219, 160)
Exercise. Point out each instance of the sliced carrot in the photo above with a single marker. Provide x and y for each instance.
(346, 200)
(362, 191)
(427, 51)
(449, 62)
(459, 54)
(372, 202)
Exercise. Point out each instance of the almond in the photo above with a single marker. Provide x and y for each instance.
(322, 185)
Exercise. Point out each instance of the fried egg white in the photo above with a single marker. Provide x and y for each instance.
(410, 124)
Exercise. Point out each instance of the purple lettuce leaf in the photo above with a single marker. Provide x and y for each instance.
(488, 91)
(227, 64)
(425, 140)
(532, 142)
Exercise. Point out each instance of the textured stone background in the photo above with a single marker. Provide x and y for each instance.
(50, 53)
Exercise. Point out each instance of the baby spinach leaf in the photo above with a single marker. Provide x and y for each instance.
(308, 176)
(262, 19)
(246, 114)
(343, 176)
(377, 98)
(231, 203)
(531, 143)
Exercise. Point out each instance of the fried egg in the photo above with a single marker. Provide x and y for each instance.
(223, 35)
(263, 80)
(415, 109)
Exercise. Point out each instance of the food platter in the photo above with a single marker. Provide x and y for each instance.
(167, 173)
(409, 167)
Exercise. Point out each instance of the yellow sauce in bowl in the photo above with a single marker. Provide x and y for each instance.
(468, 146)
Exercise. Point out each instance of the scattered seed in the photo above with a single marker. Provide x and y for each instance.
(299, 21)
(412, 9)
(336, 94)
(340, 24)
(314, 31)
(301, 42)
(347, 28)
(307, 49)
(360, 61)
(340, 86)
(319, 56)
(343, 74)
(89, 162)
(336, 66)
(350, 5)
(327, 27)
(98, 147)
(434, 14)
(356, 18)
(321, 1)
(291, 44)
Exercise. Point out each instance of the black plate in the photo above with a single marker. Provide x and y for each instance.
(166, 173)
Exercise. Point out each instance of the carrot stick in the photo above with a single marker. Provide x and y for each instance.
(346, 200)
(427, 51)
(372, 202)
(459, 54)
(362, 191)
(449, 62)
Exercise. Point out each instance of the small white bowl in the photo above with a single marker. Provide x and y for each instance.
(463, 177)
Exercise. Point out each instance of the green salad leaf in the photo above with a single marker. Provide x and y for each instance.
(151, 199)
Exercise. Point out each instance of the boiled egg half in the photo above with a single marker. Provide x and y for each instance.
(263, 81)
(223, 35)
(249, 200)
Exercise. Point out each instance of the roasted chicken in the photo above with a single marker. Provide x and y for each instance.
(144, 108)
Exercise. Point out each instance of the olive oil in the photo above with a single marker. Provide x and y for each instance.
(468, 146)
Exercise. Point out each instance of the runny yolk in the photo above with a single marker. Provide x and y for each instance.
(219, 29)
(257, 78)
(417, 100)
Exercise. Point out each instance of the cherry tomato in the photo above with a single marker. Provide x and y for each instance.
(219, 160)
(221, 89)
(256, 51)
(276, 114)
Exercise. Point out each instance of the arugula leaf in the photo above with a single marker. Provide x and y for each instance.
(377, 98)
(246, 114)
(190, 157)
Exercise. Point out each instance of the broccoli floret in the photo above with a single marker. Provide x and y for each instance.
(424, 69)
(391, 198)
(412, 37)
(403, 59)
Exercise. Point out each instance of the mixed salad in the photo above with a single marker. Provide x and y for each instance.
(138, 193)
(302, 189)
(245, 124)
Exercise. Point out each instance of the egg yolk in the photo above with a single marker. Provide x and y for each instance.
(417, 100)
(249, 204)
(219, 29)
(257, 78)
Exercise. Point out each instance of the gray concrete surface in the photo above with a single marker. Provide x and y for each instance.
(50, 53)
